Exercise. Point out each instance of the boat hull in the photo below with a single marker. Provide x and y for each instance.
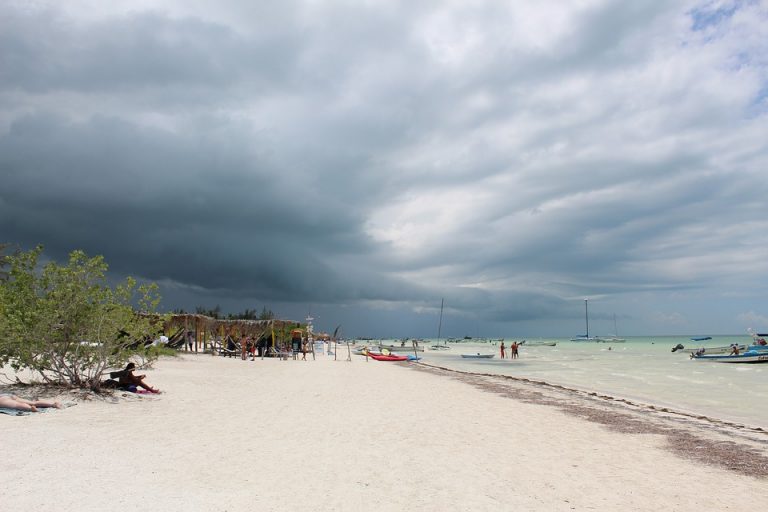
(402, 348)
(391, 357)
(712, 350)
(746, 357)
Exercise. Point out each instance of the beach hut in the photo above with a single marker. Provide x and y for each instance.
(196, 332)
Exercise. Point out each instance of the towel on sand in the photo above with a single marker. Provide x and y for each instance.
(16, 412)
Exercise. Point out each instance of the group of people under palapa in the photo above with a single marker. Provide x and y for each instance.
(299, 344)
(513, 350)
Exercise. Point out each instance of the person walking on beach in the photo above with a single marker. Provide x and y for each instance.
(189, 340)
(244, 347)
(502, 350)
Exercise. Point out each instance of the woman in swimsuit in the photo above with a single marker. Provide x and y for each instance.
(127, 378)
(20, 404)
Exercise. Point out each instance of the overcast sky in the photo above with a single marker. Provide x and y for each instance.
(363, 160)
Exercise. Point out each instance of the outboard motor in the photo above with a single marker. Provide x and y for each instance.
(679, 346)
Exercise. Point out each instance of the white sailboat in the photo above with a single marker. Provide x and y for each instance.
(586, 336)
(614, 338)
(438, 346)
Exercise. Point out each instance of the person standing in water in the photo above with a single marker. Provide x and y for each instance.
(502, 349)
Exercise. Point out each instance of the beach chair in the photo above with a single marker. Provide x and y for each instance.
(232, 348)
(275, 352)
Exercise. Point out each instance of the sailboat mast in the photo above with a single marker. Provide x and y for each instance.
(586, 315)
(440, 325)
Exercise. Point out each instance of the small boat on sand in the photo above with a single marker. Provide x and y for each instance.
(477, 356)
(389, 357)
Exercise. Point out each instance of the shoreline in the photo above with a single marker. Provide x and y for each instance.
(585, 394)
(640, 373)
(337, 435)
(681, 428)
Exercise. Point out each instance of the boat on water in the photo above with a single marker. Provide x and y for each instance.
(708, 350)
(585, 337)
(540, 343)
(758, 339)
(718, 350)
(750, 356)
(402, 348)
(477, 356)
(610, 339)
(613, 338)
(438, 346)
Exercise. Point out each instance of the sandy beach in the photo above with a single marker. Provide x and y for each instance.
(228, 435)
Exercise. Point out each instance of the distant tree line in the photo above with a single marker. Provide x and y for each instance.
(248, 314)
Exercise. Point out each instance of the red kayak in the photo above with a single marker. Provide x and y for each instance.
(382, 357)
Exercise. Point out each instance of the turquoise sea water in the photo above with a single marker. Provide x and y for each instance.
(642, 369)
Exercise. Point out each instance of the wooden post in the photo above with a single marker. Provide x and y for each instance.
(197, 333)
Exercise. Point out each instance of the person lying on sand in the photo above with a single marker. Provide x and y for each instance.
(128, 379)
(20, 404)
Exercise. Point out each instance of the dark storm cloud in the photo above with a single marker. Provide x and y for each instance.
(43, 51)
(221, 219)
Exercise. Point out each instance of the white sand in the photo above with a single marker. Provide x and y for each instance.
(229, 435)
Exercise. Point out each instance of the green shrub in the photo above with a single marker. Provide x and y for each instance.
(67, 325)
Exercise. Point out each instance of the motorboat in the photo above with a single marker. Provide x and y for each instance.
(540, 343)
(750, 356)
(709, 350)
